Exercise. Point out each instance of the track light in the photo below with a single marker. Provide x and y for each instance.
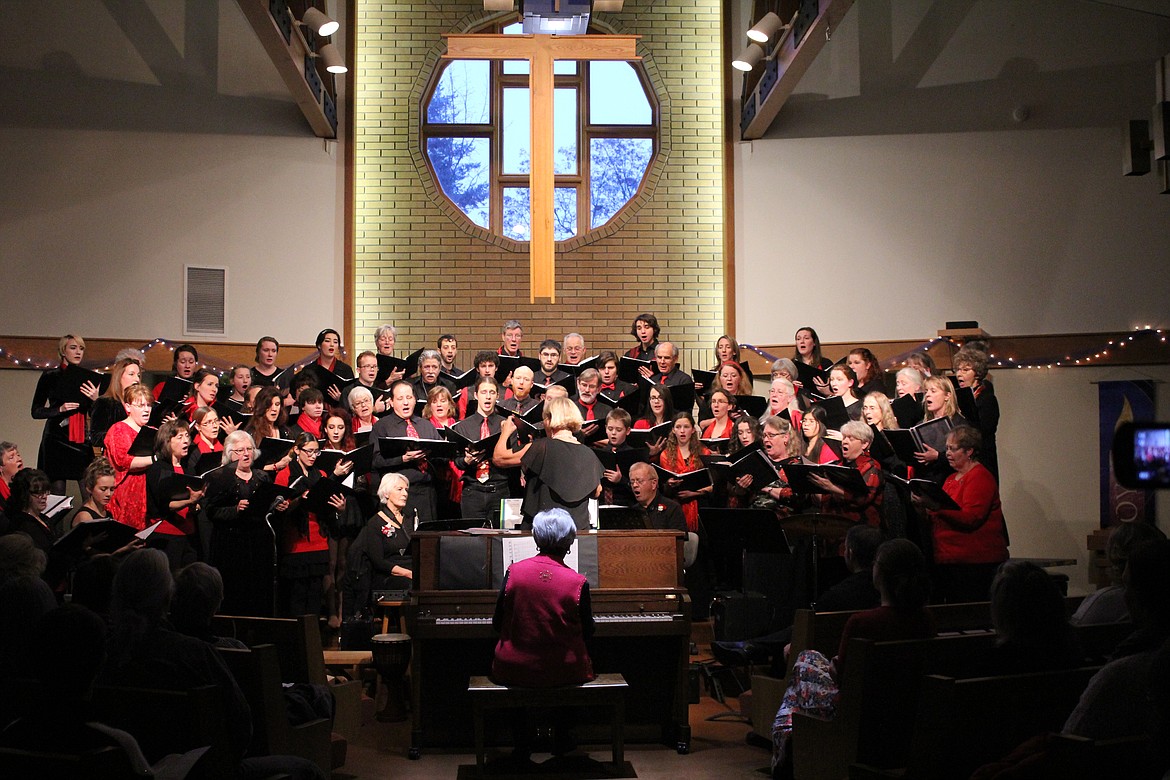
(766, 28)
(749, 59)
(316, 20)
(332, 59)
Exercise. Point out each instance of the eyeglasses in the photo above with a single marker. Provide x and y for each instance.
(142, 406)
(640, 480)
(239, 452)
(312, 453)
(770, 435)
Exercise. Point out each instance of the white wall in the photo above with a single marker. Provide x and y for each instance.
(899, 178)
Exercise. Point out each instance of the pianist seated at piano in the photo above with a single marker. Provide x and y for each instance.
(543, 616)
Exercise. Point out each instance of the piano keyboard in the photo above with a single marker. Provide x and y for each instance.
(617, 617)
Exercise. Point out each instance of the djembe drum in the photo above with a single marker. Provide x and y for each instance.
(391, 659)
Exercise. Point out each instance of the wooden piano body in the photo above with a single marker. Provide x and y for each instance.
(643, 617)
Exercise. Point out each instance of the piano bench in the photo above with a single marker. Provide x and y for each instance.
(608, 690)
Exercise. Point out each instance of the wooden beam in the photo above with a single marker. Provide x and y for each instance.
(793, 60)
(289, 59)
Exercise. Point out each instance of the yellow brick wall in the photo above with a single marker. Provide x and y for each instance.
(427, 270)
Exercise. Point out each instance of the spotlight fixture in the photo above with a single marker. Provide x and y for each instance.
(764, 29)
(749, 59)
(317, 21)
(332, 59)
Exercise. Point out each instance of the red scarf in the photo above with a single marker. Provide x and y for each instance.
(309, 425)
(76, 422)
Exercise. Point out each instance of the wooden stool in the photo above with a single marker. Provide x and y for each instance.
(608, 690)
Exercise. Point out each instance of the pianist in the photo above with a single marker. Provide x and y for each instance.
(543, 616)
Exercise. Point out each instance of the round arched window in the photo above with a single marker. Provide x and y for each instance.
(475, 127)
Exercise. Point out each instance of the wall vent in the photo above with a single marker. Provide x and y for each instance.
(204, 301)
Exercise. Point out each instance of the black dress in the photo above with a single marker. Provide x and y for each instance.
(58, 457)
(560, 474)
(242, 547)
(106, 411)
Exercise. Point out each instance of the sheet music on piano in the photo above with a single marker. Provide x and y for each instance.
(521, 548)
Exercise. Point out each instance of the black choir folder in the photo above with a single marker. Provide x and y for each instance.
(926, 488)
(691, 480)
(644, 437)
(388, 364)
(845, 477)
(397, 446)
(361, 457)
(908, 441)
(73, 377)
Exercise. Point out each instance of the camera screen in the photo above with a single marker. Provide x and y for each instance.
(1151, 454)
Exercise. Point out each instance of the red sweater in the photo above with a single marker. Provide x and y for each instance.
(975, 532)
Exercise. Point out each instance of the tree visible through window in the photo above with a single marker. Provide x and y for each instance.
(476, 134)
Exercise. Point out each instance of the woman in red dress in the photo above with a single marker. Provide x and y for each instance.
(128, 504)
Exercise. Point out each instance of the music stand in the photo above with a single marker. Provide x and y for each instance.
(733, 533)
(811, 522)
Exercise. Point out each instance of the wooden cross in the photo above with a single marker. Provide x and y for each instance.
(541, 51)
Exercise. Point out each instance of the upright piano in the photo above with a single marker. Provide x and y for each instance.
(643, 629)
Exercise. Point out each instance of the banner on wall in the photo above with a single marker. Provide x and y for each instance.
(1118, 403)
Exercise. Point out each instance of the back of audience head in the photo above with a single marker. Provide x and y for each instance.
(68, 646)
(899, 574)
(1147, 583)
(198, 594)
(862, 542)
(1027, 609)
(93, 583)
(1123, 538)
(23, 600)
(20, 557)
(142, 589)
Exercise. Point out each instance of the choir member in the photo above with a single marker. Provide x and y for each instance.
(645, 329)
(659, 409)
(269, 419)
(726, 351)
(204, 391)
(346, 524)
(856, 438)
(240, 380)
(733, 380)
(615, 486)
(520, 400)
(922, 361)
(385, 337)
(669, 374)
(550, 356)
(558, 469)
(367, 377)
(205, 439)
(361, 403)
(413, 464)
(816, 448)
(938, 397)
(876, 411)
(808, 351)
(747, 433)
(574, 348)
(302, 535)
(972, 541)
(173, 536)
(511, 334)
(448, 347)
(64, 452)
(908, 381)
(593, 411)
(664, 513)
(440, 410)
(869, 374)
(99, 481)
(25, 509)
(485, 366)
(329, 348)
(242, 541)
(184, 364)
(10, 464)
(265, 371)
(484, 483)
(108, 409)
(720, 425)
(781, 444)
(311, 402)
(782, 397)
(842, 382)
(429, 376)
(128, 504)
(611, 386)
(971, 371)
(783, 367)
(383, 546)
(682, 455)
(440, 407)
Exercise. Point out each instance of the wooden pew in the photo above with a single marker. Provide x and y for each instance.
(302, 658)
(167, 722)
(257, 672)
(963, 724)
(878, 704)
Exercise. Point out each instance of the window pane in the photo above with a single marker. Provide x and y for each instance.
(564, 213)
(515, 66)
(565, 129)
(616, 168)
(517, 155)
(461, 166)
(517, 217)
(565, 67)
(462, 94)
(616, 96)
